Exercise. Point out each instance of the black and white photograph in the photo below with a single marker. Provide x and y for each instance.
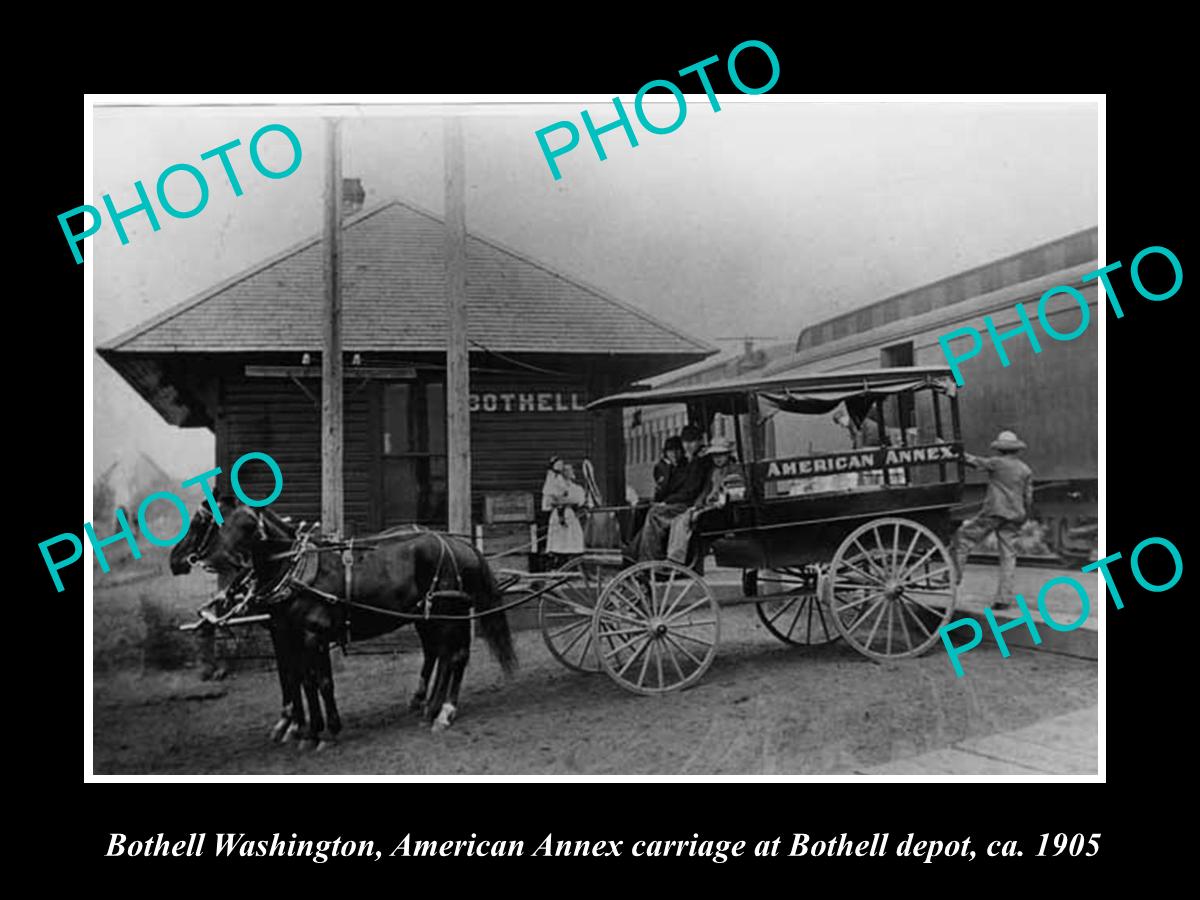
(498, 438)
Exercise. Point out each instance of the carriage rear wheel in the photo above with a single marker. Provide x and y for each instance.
(656, 628)
(793, 608)
(566, 614)
(891, 587)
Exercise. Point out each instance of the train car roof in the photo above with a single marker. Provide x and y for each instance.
(840, 384)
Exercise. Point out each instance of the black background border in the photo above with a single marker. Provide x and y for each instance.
(1148, 472)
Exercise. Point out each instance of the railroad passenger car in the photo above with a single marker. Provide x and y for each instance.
(1049, 398)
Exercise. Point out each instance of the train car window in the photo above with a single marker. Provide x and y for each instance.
(896, 355)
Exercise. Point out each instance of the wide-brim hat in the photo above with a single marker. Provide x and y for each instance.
(719, 445)
(1008, 440)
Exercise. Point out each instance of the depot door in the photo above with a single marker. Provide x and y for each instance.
(414, 453)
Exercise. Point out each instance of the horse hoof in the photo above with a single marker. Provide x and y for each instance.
(279, 730)
(327, 744)
(293, 732)
(308, 744)
(444, 719)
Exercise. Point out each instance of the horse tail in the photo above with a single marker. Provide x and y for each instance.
(495, 625)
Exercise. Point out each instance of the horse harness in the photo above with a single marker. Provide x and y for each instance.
(305, 565)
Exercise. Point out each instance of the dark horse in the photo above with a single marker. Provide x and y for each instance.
(414, 572)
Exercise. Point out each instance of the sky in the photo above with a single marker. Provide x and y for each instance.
(756, 220)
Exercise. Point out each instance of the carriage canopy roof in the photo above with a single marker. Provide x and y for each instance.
(815, 392)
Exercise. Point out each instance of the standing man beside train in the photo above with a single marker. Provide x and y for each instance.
(1008, 503)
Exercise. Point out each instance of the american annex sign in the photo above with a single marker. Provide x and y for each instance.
(860, 460)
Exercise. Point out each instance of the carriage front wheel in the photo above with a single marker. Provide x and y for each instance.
(891, 587)
(566, 613)
(657, 626)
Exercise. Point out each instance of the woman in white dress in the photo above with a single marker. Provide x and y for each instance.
(562, 496)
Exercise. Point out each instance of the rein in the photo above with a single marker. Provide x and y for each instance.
(458, 595)
(305, 544)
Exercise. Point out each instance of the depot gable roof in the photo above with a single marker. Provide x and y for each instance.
(394, 300)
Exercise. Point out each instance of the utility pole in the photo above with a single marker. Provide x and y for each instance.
(458, 421)
(332, 522)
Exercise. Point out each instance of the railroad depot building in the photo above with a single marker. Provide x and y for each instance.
(242, 359)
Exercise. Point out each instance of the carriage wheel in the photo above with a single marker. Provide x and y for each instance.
(657, 626)
(891, 587)
(566, 615)
(793, 608)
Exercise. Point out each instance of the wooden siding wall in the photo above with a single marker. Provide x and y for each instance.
(274, 416)
(510, 448)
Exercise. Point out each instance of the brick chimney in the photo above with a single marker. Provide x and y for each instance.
(353, 196)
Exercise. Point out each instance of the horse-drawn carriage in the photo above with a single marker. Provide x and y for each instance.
(841, 530)
(838, 528)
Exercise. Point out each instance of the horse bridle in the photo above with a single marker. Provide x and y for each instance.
(199, 556)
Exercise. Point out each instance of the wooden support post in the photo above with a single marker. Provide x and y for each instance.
(458, 422)
(956, 424)
(331, 349)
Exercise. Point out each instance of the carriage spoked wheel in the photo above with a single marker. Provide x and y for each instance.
(656, 628)
(566, 615)
(891, 587)
(792, 607)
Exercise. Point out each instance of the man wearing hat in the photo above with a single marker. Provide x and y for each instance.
(719, 453)
(684, 485)
(1006, 506)
(667, 467)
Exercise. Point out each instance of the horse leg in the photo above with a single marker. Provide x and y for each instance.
(460, 668)
(449, 640)
(441, 683)
(310, 679)
(298, 723)
(285, 712)
(459, 657)
(417, 703)
(291, 716)
(325, 681)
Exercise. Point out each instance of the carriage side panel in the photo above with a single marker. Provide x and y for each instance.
(792, 531)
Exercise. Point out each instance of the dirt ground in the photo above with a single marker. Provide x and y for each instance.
(762, 708)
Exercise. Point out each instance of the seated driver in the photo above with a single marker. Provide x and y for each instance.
(715, 495)
(685, 485)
